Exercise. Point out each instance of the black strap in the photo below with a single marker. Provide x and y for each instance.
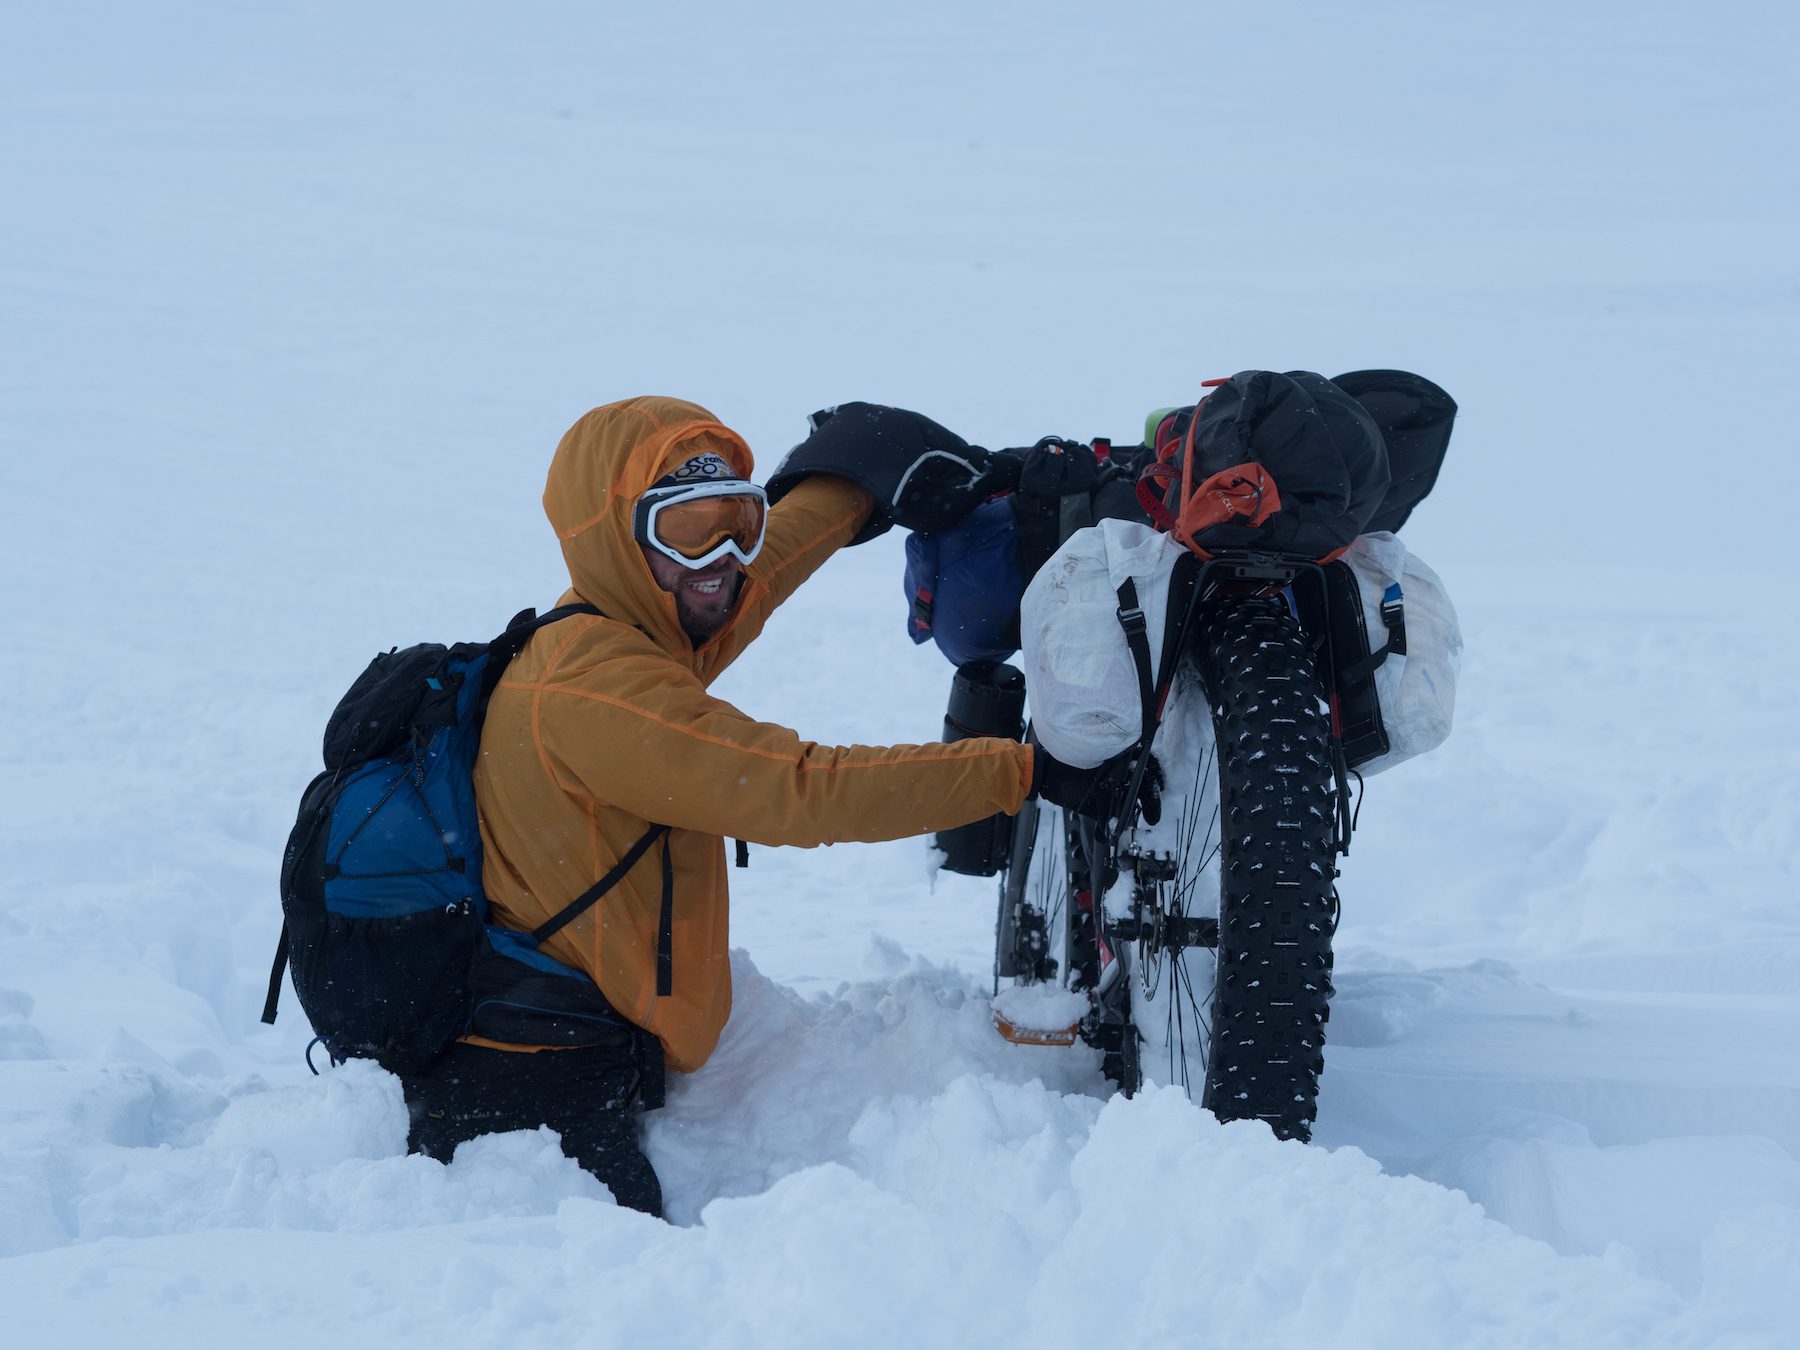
(665, 928)
(310, 1046)
(743, 853)
(1131, 619)
(1178, 615)
(1358, 671)
(281, 960)
(1184, 600)
(582, 903)
(523, 623)
(1340, 774)
(510, 643)
(1393, 618)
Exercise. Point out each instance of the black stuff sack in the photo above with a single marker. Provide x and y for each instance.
(1415, 419)
(1319, 445)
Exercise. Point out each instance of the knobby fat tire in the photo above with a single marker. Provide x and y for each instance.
(1276, 871)
(1277, 866)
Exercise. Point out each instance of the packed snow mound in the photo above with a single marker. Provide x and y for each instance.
(831, 1158)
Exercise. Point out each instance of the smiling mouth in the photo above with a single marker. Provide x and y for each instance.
(711, 586)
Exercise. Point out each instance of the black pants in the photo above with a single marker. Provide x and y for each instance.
(588, 1096)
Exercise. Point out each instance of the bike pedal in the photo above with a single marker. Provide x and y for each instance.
(1032, 1035)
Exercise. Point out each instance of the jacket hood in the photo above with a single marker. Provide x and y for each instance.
(602, 465)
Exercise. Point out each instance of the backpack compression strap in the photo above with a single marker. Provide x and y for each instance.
(280, 969)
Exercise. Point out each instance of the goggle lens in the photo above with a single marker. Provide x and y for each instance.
(695, 527)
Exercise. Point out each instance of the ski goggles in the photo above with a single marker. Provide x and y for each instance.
(696, 524)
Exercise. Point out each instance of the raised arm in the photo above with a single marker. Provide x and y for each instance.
(805, 528)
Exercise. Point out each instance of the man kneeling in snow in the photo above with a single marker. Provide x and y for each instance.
(603, 751)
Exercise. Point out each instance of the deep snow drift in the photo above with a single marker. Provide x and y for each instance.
(293, 306)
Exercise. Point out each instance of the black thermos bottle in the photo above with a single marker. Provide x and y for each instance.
(987, 698)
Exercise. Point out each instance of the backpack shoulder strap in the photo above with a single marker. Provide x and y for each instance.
(511, 642)
(582, 903)
(528, 621)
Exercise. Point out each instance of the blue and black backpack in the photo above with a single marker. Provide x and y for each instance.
(386, 925)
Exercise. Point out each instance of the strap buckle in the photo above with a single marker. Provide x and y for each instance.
(921, 610)
(1393, 618)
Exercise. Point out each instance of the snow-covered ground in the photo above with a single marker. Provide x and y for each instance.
(294, 303)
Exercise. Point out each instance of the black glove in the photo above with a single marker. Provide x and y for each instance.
(1098, 791)
(923, 476)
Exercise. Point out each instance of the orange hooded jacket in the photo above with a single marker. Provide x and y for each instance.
(602, 726)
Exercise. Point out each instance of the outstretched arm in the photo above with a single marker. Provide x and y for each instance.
(668, 752)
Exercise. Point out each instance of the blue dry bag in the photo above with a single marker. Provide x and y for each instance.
(963, 586)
